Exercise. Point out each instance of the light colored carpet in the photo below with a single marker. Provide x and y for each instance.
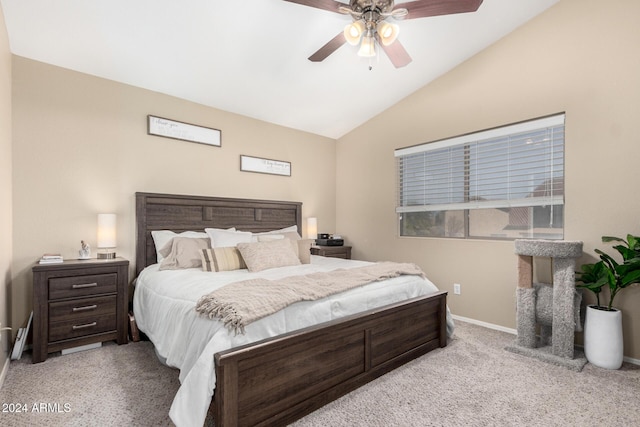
(475, 382)
(109, 386)
(471, 382)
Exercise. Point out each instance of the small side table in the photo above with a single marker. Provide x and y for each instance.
(79, 302)
(332, 251)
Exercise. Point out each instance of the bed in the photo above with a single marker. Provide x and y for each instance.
(289, 363)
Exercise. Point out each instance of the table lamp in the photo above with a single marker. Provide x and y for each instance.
(106, 236)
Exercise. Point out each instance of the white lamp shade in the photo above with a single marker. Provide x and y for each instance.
(353, 31)
(106, 230)
(367, 47)
(312, 228)
(388, 32)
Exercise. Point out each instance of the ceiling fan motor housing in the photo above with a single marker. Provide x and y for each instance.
(370, 11)
(379, 6)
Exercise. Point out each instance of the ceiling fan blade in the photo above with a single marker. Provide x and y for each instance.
(330, 5)
(326, 50)
(396, 52)
(426, 8)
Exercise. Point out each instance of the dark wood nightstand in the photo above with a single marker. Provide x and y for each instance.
(79, 302)
(332, 251)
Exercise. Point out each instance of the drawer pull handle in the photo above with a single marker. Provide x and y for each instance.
(85, 285)
(85, 308)
(87, 325)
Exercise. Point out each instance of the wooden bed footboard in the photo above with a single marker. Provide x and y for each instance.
(279, 380)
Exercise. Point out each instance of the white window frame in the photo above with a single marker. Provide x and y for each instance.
(443, 193)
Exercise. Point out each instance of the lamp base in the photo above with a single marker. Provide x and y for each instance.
(106, 255)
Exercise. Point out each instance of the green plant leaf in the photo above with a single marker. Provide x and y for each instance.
(611, 262)
(616, 275)
(607, 239)
(628, 266)
(625, 252)
(612, 280)
(630, 278)
(593, 277)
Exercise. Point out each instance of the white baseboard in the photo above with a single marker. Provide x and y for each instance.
(515, 332)
(485, 324)
(4, 371)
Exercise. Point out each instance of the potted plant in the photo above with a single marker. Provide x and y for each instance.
(603, 345)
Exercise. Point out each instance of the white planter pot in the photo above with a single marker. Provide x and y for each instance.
(603, 344)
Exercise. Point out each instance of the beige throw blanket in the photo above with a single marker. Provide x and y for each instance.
(241, 303)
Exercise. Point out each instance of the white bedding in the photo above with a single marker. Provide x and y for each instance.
(164, 304)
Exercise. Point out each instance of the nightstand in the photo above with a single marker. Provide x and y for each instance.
(332, 251)
(79, 302)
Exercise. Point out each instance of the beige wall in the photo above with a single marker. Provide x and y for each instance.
(580, 56)
(5, 191)
(81, 148)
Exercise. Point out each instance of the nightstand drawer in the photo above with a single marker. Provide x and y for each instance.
(80, 327)
(81, 308)
(332, 251)
(78, 286)
(342, 255)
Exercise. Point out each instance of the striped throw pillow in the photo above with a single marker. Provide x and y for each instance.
(222, 259)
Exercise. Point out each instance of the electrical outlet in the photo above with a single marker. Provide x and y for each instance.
(456, 288)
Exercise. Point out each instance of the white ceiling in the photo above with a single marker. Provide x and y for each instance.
(250, 56)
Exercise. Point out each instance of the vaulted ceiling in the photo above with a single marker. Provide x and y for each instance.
(250, 56)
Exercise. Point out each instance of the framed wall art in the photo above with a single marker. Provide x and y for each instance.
(159, 126)
(260, 165)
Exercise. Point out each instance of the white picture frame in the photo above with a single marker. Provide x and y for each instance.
(262, 165)
(160, 126)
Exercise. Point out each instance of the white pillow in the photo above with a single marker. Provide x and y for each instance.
(269, 237)
(227, 238)
(290, 232)
(290, 229)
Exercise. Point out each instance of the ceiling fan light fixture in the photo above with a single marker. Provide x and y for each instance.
(367, 46)
(368, 27)
(353, 32)
(388, 32)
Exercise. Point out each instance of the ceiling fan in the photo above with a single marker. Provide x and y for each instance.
(370, 26)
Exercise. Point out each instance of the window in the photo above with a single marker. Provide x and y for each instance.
(506, 182)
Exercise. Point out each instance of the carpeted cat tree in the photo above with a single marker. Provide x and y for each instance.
(554, 308)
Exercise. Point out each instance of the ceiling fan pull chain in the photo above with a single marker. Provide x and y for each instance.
(371, 58)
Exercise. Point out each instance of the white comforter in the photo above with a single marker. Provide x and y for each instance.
(164, 304)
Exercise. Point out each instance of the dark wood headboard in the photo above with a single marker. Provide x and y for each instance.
(195, 213)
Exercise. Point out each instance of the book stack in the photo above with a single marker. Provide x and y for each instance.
(51, 259)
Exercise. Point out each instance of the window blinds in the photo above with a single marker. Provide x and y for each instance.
(511, 166)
